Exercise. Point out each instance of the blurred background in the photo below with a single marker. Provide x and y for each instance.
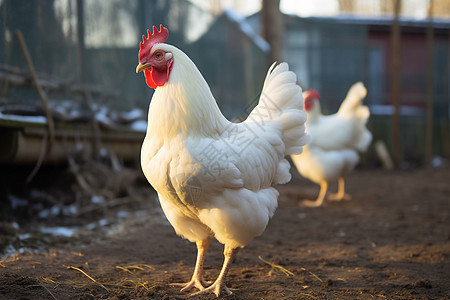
(85, 53)
(73, 111)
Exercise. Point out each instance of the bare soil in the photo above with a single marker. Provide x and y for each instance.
(391, 241)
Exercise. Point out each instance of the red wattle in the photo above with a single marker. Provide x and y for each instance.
(160, 78)
(149, 79)
(155, 77)
(309, 103)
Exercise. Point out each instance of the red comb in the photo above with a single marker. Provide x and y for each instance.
(311, 94)
(147, 43)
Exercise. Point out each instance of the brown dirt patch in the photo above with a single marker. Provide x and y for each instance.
(392, 241)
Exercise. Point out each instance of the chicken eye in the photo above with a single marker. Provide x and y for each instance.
(158, 55)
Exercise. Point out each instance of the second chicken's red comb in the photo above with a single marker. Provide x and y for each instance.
(311, 94)
(158, 36)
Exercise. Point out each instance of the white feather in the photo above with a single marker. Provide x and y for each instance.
(335, 139)
(344, 130)
(318, 165)
(214, 177)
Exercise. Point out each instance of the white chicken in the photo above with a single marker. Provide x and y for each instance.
(215, 178)
(335, 142)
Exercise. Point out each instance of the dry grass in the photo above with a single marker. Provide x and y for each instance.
(124, 283)
(135, 267)
(9, 259)
(114, 287)
(312, 274)
(85, 274)
(277, 267)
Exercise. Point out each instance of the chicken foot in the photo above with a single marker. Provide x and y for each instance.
(219, 285)
(341, 194)
(197, 278)
(319, 201)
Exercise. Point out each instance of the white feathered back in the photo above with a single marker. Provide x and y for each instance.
(347, 128)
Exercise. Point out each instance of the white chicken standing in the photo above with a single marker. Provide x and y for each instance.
(335, 142)
(215, 178)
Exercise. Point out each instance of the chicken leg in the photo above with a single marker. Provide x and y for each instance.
(197, 278)
(319, 201)
(340, 195)
(219, 285)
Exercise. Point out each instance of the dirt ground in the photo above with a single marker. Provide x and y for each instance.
(392, 241)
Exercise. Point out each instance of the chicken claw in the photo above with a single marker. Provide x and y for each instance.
(219, 285)
(215, 288)
(341, 194)
(197, 278)
(194, 283)
(339, 197)
(319, 201)
(312, 203)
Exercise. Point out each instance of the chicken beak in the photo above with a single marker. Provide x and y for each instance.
(141, 67)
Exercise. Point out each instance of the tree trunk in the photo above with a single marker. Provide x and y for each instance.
(396, 63)
(429, 98)
(80, 45)
(272, 28)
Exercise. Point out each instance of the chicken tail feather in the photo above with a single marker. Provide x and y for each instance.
(353, 100)
(352, 106)
(282, 101)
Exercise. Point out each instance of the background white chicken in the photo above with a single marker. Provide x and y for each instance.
(215, 178)
(335, 142)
